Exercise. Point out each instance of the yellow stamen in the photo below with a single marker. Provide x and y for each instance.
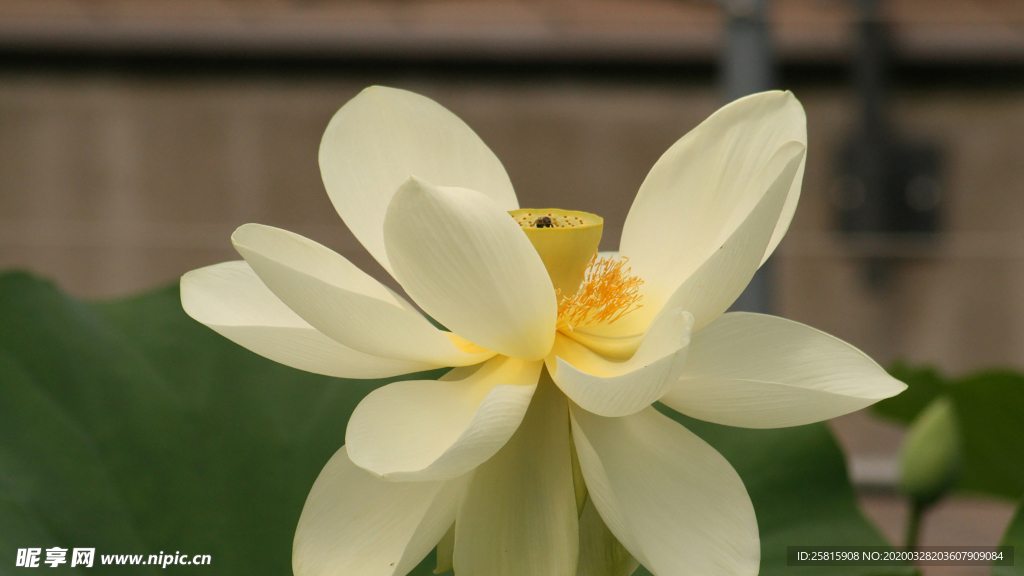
(608, 293)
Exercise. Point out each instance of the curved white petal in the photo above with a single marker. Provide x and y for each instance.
(467, 263)
(519, 515)
(356, 524)
(716, 284)
(704, 186)
(613, 347)
(600, 553)
(382, 137)
(617, 388)
(344, 302)
(758, 371)
(673, 501)
(231, 299)
(433, 430)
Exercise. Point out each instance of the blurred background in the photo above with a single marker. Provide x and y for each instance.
(136, 135)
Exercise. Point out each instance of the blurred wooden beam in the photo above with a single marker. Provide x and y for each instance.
(804, 31)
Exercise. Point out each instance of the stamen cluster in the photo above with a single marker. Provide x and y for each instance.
(608, 293)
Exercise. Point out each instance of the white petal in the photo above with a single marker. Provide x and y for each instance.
(519, 515)
(231, 299)
(382, 137)
(704, 186)
(713, 287)
(611, 346)
(673, 501)
(356, 524)
(617, 388)
(600, 553)
(344, 302)
(759, 371)
(434, 430)
(467, 263)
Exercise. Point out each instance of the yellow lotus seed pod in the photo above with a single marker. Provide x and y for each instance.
(566, 241)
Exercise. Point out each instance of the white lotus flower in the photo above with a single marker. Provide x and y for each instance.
(539, 453)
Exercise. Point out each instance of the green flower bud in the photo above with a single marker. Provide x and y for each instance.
(932, 453)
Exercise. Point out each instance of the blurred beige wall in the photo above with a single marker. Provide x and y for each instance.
(112, 184)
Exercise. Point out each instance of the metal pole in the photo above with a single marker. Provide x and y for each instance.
(748, 66)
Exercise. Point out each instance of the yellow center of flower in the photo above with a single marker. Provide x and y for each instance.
(608, 293)
(590, 289)
(566, 241)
